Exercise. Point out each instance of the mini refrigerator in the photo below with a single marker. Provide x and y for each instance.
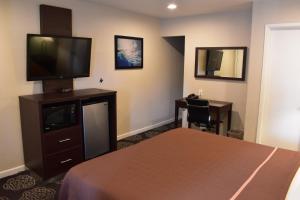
(95, 128)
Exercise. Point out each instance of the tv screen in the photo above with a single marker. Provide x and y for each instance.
(214, 61)
(57, 57)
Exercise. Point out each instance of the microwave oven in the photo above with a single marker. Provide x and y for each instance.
(59, 116)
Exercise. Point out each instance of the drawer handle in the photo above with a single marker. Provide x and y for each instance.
(66, 161)
(65, 140)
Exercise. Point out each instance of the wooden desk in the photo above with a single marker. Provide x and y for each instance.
(216, 107)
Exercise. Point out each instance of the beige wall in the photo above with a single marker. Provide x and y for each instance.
(264, 12)
(10, 140)
(213, 30)
(145, 97)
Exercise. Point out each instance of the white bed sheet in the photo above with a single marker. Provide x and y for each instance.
(294, 190)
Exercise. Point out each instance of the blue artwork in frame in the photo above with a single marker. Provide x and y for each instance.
(128, 52)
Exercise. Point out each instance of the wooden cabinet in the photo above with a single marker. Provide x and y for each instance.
(62, 161)
(49, 153)
(59, 140)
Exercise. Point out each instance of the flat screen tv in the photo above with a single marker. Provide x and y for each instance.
(214, 60)
(57, 57)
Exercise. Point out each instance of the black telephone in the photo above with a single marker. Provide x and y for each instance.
(193, 96)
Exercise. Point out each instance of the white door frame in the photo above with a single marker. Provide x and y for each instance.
(266, 68)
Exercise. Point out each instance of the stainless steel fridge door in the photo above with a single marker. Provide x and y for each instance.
(96, 129)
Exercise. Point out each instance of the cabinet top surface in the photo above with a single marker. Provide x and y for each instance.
(74, 95)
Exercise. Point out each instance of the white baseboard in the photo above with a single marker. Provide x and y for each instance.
(147, 128)
(12, 171)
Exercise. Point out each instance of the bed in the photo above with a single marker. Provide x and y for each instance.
(185, 164)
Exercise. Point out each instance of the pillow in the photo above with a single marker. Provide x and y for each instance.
(294, 190)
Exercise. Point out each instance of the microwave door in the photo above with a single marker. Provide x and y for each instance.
(55, 117)
(59, 117)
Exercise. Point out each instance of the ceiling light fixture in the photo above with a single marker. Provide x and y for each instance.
(172, 6)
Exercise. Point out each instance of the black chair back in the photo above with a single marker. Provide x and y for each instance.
(198, 111)
(197, 102)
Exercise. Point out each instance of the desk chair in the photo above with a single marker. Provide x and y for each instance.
(198, 113)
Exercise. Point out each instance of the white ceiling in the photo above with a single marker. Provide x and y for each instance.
(157, 8)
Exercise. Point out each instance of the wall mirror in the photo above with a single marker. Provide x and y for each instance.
(227, 63)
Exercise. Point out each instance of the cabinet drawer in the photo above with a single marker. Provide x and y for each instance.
(63, 139)
(62, 162)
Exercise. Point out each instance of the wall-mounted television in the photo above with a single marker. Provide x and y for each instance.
(57, 57)
(214, 60)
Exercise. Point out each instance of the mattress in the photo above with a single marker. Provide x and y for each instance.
(185, 164)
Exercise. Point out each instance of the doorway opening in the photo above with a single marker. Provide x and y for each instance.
(279, 109)
(177, 50)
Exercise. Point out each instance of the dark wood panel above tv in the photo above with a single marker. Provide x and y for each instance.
(56, 21)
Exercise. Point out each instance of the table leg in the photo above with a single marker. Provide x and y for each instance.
(176, 115)
(218, 123)
(229, 114)
(229, 120)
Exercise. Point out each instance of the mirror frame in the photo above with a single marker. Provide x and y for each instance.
(245, 49)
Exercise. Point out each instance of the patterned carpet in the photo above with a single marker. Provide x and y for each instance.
(28, 186)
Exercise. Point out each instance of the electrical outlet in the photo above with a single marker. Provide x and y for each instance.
(200, 92)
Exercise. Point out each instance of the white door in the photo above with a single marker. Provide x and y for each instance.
(279, 121)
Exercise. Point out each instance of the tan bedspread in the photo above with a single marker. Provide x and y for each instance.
(183, 164)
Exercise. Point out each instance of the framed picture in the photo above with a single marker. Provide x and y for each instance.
(128, 52)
